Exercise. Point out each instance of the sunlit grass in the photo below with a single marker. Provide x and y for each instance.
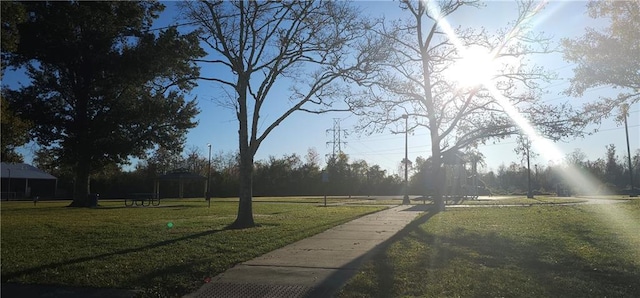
(166, 250)
(539, 251)
(295, 199)
(365, 201)
(522, 200)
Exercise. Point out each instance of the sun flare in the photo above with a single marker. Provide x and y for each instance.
(474, 67)
(478, 66)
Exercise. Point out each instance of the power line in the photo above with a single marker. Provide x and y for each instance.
(174, 25)
(615, 128)
(569, 97)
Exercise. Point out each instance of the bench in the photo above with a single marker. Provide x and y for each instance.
(141, 199)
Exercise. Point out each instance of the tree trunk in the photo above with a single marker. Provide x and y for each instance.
(439, 173)
(245, 210)
(439, 186)
(81, 148)
(247, 152)
(81, 188)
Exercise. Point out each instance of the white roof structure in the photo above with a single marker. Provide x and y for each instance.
(23, 171)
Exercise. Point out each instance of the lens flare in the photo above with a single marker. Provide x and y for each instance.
(624, 225)
(577, 179)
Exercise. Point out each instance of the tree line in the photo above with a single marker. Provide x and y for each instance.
(608, 175)
(289, 175)
(295, 175)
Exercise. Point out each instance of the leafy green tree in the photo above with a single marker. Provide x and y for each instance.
(613, 168)
(13, 13)
(277, 176)
(104, 87)
(15, 129)
(15, 132)
(339, 171)
(607, 57)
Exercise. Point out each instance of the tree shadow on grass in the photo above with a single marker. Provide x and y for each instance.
(383, 262)
(8, 276)
(383, 266)
(556, 269)
(544, 267)
(167, 283)
(181, 206)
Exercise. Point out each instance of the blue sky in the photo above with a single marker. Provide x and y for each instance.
(301, 131)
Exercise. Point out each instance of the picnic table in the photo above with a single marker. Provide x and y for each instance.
(142, 199)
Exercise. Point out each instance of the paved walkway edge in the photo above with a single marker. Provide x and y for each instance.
(313, 267)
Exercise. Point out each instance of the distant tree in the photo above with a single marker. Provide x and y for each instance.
(460, 111)
(104, 87)
(607, 57)
(577, 158)
(635, 167)
(405, 163)
(225, 178)
(47, 161)
(312, 158)
(358, 177)
(490, 181)
(475, 159)
(382, 184)
(524, 150)
(163, 160)
(15, 132)
(596, 168)
(276, 176)
(339, 171)
(613, 168)
(422, 177)
(257, 47)
(195, 162)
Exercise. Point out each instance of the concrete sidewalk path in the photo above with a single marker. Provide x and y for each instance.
(313, 267)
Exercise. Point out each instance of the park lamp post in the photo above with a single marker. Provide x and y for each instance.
(625, 110)
(405, 199)
(209, 177)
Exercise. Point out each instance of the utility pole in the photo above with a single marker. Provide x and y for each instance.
(337, 137)
(529, 193)
(405, 199)
(209, 177)
(625, 110)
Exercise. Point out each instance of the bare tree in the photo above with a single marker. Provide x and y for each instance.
(464, 85)
(257, 47)
(312, 158)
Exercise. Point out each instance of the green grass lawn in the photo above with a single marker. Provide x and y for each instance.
(168, 250)
(331, 200)
(522, 200)
(512, 200)
(539, 251)
(301, 200)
